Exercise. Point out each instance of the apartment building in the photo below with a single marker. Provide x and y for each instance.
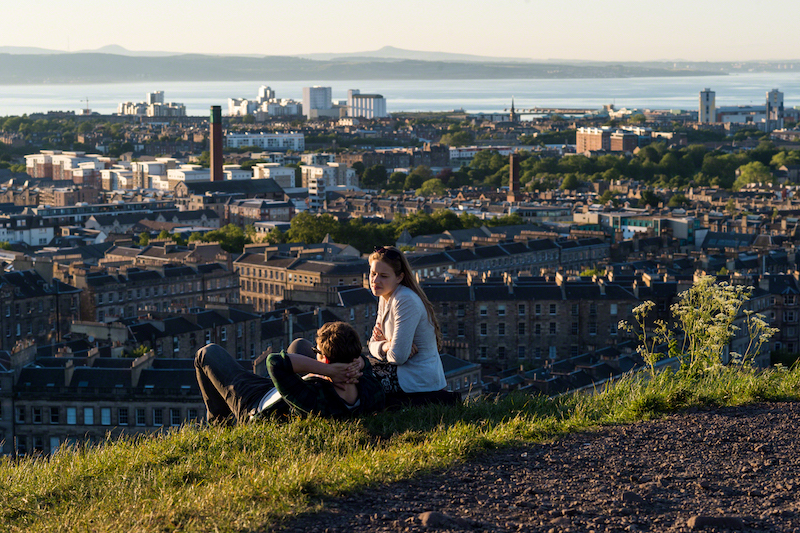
(109, 294)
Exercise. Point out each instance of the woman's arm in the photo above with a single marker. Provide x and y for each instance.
(407, 312)
(376, 340)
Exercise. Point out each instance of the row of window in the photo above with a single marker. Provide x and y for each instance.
(521, 309)
(500, 352)
(159, 290)
(483, 328)
(124, 416)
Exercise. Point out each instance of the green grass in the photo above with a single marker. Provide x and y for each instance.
(251, 477)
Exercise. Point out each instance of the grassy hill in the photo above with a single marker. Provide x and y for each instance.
(247, 478)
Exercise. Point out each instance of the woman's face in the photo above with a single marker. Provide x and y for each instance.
(382, 279)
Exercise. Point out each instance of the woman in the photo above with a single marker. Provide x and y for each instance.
(406, 337)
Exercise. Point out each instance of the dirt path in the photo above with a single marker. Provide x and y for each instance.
(720, 470)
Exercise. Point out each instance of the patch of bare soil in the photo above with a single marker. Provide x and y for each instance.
(728, 469)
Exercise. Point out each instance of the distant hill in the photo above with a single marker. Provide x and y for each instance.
(92, 67)
(390, 52)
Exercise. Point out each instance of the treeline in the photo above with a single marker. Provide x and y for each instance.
(365, 236)
(655, 165)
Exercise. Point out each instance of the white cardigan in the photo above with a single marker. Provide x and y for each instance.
(404, 321)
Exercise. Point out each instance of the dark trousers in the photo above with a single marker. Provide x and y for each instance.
(229, 390)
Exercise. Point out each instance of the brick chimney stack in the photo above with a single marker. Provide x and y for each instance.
(513, 178)
(215, 140)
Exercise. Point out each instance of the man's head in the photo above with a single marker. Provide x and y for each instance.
(338, 342)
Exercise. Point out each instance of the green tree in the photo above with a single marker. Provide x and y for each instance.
(432, 187)
(144, 238)
(678, 200)
(755, 172)
(650, 198)
(460, 138)
(396, 181)
(570, 182)
(310, 229)
(374, 177)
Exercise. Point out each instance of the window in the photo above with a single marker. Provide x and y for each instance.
(208, 336)
(789, 316)
(20, 418)
(593, 309)
(520, 352)
(537, 329)
(444, 330)
(158, 417)
(613, 309)
(175, 416)
(483, 329)
(501, 352)
(461, 329)
(37, 415)
(501, 328)
(483, 352)
(88, 416)
(140, 421)
(484, 310)
(72, 416)
(573, 350)
(552, 328)
(105, 416)
(552, 309)
(521, 309)
(176, 344)
(612, 329)
(445, 308)
(501, 310)
(537, 309)
(573, 328)
(239, 331)
(592, 328)
(54, 419)
(122, 416)
(224, 334)
(191, 414)
(575, 310)
(552, 352)
(460, 311)
(790, 299)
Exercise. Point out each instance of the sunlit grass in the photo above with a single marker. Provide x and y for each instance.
(250, 477)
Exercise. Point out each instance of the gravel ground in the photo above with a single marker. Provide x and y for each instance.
(729, 469)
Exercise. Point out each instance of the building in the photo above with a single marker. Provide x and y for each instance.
(317, 102)
(153, 106)
(774, 111)
(110, 294)
(267, 141)
(708, 109)
(283, 176)
(365, 105)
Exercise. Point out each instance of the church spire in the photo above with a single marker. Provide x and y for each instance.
(513, 112)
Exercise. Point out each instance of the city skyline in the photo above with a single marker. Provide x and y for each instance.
(622, 30)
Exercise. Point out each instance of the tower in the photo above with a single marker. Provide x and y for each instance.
(774, 112)
(513, 111)
(707, 113)
(513, 178)
(215, 141)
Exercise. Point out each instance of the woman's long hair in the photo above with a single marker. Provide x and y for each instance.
(397, 261)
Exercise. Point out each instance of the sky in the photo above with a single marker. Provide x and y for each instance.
(610, 30)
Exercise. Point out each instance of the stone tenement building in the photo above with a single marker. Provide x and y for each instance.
(64, 400)
(503, 321)
(109, 294)
(266, 279)
(34, 309)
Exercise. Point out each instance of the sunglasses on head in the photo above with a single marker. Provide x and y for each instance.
(391, 253)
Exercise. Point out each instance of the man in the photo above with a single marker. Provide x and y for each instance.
(339, 380)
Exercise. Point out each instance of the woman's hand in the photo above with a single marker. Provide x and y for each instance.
(414, 350)
(377, 334)
(345, 373)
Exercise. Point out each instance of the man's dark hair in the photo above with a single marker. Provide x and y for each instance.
(339, 342)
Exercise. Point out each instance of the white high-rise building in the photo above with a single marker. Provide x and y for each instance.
(265, 93)
(315, 99)
(774, 111)
(365, 105)
(156, 97)
(708, 109)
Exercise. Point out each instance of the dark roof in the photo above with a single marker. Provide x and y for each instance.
(255, 186)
